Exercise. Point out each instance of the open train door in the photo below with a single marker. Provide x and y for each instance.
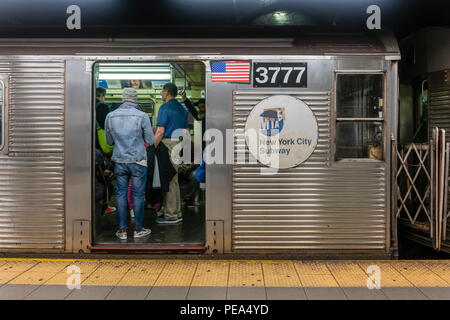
(148, 79)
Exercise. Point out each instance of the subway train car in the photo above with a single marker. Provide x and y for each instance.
(335, 96)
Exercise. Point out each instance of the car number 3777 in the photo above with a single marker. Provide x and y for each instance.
(280, 75)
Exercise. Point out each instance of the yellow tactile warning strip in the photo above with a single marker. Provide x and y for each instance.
(280, 274)
(12, 269)
(420, 275)
(390, 277)
(211, 274)
(108, 274)
(142, 274)
(440, 269)
(245, 274)
(348, 274)
(224, 273)
(176, 274)
(86, 269)
(315, 274)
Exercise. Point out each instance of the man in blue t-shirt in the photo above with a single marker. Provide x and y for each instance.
(171, 121)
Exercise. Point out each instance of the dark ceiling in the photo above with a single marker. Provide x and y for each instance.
(213, 18)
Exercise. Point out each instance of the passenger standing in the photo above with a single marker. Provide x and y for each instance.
(101, 111)
(194, 186)
(128, 128)
(100, 107)
(171, 121)
(198, 115)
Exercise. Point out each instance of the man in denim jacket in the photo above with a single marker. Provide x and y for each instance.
(127, 128)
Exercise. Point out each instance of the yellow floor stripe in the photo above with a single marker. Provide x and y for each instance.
(49, 267)
(32, 278)
(39, 273)
(142, 274)
(280, 275)
(419, 275)
(246, 274)
(176, 275)
(17, 266)
(232, 273)
(108, 274)
(348, 274)
(6, 276)
(390, 277)
(86, 269)
(315, 274)
(318, 280)
(442, 269)
(211, 274)
(312, 268)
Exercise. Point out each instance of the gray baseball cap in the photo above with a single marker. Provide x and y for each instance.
(129, 94)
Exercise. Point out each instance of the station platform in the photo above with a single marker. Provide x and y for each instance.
(29, 278)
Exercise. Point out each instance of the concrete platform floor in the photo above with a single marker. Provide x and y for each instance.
(22, 278)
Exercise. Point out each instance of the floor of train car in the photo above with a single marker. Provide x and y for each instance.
(189, 233)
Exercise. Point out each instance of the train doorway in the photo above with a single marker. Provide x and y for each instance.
(148, 78)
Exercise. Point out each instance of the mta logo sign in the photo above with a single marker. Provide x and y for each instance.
(272, 121)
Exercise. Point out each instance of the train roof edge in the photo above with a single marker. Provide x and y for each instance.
(293, 41)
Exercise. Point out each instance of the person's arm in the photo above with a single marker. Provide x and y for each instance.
(161, 123)
(159, 135)
(190, 106)
(149, 137)
(200, 172)
(109, 137)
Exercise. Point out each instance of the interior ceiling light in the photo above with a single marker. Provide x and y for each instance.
(134, 76)
(131, 64)
(134, 69)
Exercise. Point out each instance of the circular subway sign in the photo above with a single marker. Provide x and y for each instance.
(281, 132)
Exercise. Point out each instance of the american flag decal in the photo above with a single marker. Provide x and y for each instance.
(230, 71)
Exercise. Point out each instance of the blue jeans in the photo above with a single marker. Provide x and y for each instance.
(138, 175)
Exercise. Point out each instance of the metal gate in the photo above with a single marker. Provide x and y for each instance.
(421, 189)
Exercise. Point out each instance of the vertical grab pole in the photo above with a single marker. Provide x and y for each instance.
(446, 179)
(441, 175)
(432, 189)
(435, 187)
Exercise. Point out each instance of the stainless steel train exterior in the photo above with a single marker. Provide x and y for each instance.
(320, 207)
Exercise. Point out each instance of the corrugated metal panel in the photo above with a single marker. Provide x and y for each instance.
(316, 205)
(32, 175)
(439, 101)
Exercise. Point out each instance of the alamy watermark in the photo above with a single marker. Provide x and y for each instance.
(74, 278)
(73, 21)
(229, 148)
(374, 277)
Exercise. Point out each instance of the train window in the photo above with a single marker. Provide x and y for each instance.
(359, 116)
(1, 114)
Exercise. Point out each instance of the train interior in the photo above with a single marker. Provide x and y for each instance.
(148, 78)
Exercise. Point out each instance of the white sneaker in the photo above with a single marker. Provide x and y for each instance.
(144, 232)
(163, 220)
(122, 235)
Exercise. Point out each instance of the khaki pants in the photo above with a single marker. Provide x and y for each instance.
(172, 201)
